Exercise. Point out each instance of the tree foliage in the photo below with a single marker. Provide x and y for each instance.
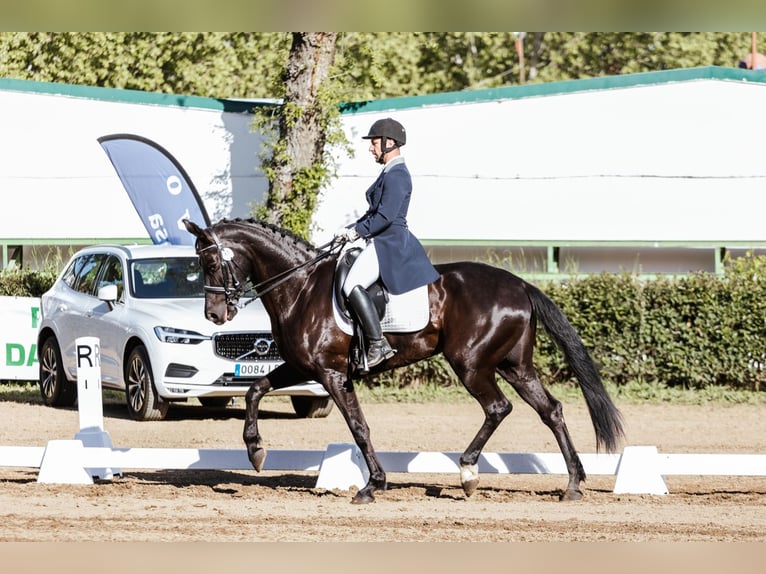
(211, 64)
(368, 65)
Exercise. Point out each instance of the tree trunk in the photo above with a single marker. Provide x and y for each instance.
(301, 125)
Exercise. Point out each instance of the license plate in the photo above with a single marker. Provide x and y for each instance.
(249, 370)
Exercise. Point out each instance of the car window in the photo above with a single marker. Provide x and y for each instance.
(70, 274)
(87, 274)
(112, 275)
(167, 278)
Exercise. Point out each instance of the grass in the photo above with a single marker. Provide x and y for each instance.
(634, 393)
(29, 392)
(20, 392)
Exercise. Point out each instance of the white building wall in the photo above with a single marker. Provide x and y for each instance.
(666, 162)
(57, 182)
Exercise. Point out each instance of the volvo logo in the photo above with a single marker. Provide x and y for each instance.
(261, 346)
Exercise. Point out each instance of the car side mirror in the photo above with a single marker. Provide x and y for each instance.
(108, 293)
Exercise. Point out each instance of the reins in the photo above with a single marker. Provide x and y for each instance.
(274, 282)
(235, 291)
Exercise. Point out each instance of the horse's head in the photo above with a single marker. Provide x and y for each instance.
(224, 278)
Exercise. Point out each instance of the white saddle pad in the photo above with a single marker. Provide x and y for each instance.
(405, 313)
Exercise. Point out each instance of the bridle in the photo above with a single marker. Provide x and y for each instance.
(233, 290)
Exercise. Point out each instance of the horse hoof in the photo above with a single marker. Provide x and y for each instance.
(571, 495)
(470, 487)
(469, 478)
(257, 458)
(362, 498)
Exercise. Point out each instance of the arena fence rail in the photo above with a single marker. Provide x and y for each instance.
(90, 456)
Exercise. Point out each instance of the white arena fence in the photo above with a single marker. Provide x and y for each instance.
(637, 470)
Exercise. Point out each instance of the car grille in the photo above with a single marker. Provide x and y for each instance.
(246, 347)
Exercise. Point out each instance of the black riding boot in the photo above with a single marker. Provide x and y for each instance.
(379, 349)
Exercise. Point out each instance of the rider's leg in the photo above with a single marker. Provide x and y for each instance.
(378, 349)
(363, 273)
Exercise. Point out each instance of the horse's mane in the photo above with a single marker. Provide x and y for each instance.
(285, 233)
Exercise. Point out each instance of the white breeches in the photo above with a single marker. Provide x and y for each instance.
(364, 271)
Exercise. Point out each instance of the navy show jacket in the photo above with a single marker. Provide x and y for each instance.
(404, 264)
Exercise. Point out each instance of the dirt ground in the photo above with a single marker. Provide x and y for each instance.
(230, 506)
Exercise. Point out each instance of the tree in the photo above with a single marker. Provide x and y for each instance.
(299, 163)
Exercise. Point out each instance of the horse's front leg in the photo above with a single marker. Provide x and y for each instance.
(255, 451)
(280, 377)
(348, 404)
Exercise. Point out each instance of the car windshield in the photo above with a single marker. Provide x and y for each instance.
(166, 278)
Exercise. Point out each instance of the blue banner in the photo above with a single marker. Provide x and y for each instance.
(158, 186)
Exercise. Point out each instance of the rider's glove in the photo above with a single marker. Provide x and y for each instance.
(346, 234)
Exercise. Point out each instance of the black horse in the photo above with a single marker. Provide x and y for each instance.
(483, 319)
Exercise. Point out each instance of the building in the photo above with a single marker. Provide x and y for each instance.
(58, 187)
(659, 172)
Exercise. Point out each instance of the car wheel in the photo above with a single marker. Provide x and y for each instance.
(55, 389)
(143, 402)
(312, 407)
(214, 402)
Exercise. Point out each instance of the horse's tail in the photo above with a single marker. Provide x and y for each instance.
(607, 421)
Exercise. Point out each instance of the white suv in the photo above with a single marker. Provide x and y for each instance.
(145, 304)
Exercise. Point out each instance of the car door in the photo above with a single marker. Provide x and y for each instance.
(76, 306)
(108, 320)
(91, 317)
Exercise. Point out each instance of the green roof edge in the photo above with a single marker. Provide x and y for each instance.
(557, 88)
(130, 96)
(399, 103)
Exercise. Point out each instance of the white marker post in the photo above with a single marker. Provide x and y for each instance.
(89, 401)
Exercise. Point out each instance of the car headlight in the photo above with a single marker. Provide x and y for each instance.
(180, 336)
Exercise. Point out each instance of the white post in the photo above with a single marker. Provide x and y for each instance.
(89, 384)
(89, 401)
(639, 472)
(342, 467)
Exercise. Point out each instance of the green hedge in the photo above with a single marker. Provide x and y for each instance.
(690, 332)
(26, 282)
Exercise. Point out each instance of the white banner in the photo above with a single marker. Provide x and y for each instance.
(18, 338)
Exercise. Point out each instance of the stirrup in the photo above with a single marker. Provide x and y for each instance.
(379, 350)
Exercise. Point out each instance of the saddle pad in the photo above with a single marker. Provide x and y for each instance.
(405, 313)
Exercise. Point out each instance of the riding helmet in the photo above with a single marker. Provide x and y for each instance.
(388, 128)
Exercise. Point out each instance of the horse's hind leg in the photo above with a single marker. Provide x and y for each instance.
(549, 408)
(483, 387)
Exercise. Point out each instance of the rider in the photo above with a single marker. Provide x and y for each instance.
(391, 251)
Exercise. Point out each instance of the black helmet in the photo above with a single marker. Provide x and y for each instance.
(388, 128)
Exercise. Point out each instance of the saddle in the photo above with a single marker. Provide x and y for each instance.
(377, 291)
(405, 313)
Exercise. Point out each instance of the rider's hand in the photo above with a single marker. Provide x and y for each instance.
(346, 234)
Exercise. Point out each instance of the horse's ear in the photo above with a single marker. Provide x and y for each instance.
(193, 228)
